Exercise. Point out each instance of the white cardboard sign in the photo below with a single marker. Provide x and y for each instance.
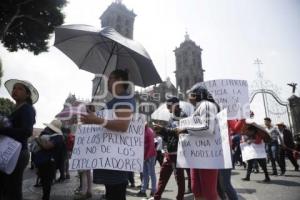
(253, 151)
(96, 147)
(9, 154)
(210, 151)
(232, 95)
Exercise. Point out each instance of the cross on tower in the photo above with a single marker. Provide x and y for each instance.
(260, 77)
(258, 63)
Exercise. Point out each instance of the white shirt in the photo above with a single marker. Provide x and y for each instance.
(207, 112)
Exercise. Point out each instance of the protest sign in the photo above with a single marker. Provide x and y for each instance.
(206, 151)
(230, 94)
(96, 147)
(253, 151)
(9, 154)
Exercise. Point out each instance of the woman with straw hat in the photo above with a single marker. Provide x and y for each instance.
(47, 159)
(22, 120)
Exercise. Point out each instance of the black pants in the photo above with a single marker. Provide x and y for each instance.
(116, 192)
(289, 154)
(46, 172)
(159, 157)
(263, 164)
(131, 178)
(11, 185)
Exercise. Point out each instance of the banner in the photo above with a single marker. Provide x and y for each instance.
(252, 151)
(96, 147)
(210, 151)
(9, 154)
(230, 94)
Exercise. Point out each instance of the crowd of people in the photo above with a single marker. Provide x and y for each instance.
(52, 149)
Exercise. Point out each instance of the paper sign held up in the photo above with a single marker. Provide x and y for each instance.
(253, 151)
(96, 147)
(9, 154)
(210, 151)
(230, 94)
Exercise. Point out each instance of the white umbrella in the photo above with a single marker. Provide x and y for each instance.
(163, 114)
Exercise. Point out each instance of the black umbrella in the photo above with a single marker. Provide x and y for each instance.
(101, 51)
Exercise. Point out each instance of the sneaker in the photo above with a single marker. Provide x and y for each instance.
(38, 185)
(189, 191)
(132, 186)
(82, 196)
(266, 180)
(152, 194)
(274, 174)
(282, 173)
(246, 179)
(141, 194)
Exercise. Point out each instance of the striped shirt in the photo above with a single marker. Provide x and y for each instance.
(207, 111)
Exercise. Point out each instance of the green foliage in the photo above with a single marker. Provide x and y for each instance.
(6, 106)
(27, 24)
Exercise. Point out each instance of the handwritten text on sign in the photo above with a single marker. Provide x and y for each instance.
(230, 94)
(253, 151)
(99, 148)
(210, 151)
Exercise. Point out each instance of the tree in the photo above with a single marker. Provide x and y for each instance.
(6, 106)
(27, 24)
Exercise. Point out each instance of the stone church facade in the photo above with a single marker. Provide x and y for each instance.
(188, 65)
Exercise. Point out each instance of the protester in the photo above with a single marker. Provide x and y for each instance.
(234, 127)
(287, 147)
(22, 120)
(273, 146)
(204, 181)
(171, 139)
(85, 190)
(48, 158)
(69, 145)
(149, 163)
(123, 105)
(61, 162)
(253, 136)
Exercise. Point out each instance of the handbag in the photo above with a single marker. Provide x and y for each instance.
(9, 154)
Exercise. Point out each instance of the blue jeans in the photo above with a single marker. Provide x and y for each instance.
(226, 182)
(273, 151)
(149, 170)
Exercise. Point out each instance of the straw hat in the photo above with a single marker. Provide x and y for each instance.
(281, 124)
(9, 84)
(55, 125)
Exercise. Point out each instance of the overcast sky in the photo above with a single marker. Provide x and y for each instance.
(232, 33)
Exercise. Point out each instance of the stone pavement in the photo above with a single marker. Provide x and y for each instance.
(281, 187)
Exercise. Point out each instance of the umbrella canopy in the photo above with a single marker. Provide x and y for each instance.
(102, 51)
(163, 114)
(261, 131)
